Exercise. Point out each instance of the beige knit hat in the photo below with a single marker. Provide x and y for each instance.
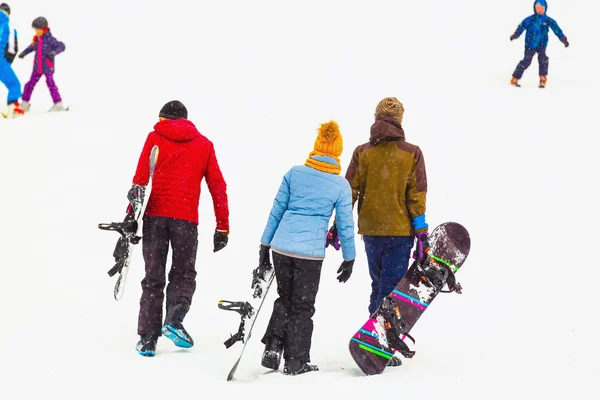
(392, 108)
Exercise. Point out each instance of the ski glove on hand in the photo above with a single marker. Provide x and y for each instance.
(220, 240)
(564, 41)
(264, 261)
(264, 264)
(423, 246)
(514, 36)
(345, 271)
(135, 194)
(333, 238)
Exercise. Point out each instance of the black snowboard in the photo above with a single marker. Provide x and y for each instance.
(384, 333)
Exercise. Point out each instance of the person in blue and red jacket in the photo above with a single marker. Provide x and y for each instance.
(185, 158)
(536, 41)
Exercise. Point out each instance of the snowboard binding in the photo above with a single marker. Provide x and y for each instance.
(436, 272)
(246, 311)
(259, 279)
(128, 231)
(395, 327)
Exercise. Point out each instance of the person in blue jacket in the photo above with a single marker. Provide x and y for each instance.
(536, 40)
(8, 51)
(296, 235)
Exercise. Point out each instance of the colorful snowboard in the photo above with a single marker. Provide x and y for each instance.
(370, 347)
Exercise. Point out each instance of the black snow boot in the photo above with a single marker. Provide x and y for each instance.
(394, 362)
(173, 327)
(297, 367)
(272, 355)
(147, 345)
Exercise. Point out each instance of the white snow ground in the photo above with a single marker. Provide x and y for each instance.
(518, 167)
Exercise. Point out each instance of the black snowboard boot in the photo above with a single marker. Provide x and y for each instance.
(272, 355)
(147, 345)
(297, 367)
(394, 362)
(173, 327)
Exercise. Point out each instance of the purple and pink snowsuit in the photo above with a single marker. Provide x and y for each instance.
(45, 47)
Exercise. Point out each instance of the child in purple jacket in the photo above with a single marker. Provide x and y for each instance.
(45, 47)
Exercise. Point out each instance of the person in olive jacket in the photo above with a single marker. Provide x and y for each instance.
(388, 179)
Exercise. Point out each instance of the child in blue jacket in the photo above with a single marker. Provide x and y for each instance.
(536, 40)
(296, 234)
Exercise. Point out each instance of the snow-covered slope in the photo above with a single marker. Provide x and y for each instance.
(517, 167)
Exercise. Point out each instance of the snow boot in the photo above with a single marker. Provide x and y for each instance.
(147, 345)
(25, 106)
(272, 355)
(58, 107)
(173, 327)
(543, 81)
(297, 367)
(14, 111)
(515, 82)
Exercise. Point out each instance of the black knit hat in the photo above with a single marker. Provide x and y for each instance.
(39, 23)
(4, 7)
(173, 110)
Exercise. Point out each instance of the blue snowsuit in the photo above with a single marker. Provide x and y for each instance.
(8, 50)
(536, 39)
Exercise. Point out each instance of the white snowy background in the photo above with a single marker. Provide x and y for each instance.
(517, 167)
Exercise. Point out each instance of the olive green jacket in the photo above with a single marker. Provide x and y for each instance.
(388, 178)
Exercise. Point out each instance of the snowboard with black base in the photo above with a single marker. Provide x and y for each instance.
(130, 230)
(373, 347)
(262, 279)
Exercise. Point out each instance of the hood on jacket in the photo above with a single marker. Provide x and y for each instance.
(177, 130)
(385, 129)
(541, 3)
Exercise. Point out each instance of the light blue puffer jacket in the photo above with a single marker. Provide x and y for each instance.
(299, 219)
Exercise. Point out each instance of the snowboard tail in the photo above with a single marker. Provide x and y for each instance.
(248, 312)
(387, 330)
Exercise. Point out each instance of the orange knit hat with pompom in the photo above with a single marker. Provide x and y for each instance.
(329, 143)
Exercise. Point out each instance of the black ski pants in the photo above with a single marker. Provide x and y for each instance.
(291, 321)
(183, 237)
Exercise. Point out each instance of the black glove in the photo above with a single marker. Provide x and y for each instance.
(564, 41)
(514, 36)
(264, 264)
(51, 54)
(135, 194)
(345, 271)
(10, 57)
(220, 240)
(21, 55)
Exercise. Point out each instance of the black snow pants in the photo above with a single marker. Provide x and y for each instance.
(183, 236)
(297, 286)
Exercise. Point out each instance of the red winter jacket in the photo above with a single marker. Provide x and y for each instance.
(184, 158)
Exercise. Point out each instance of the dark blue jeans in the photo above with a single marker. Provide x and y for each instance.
(526, 62)
(388, 258)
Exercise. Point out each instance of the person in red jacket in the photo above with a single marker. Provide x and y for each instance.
(171, 216)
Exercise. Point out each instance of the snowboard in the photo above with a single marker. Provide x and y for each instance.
(249, 313)
(388, 329)
(130, 231)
